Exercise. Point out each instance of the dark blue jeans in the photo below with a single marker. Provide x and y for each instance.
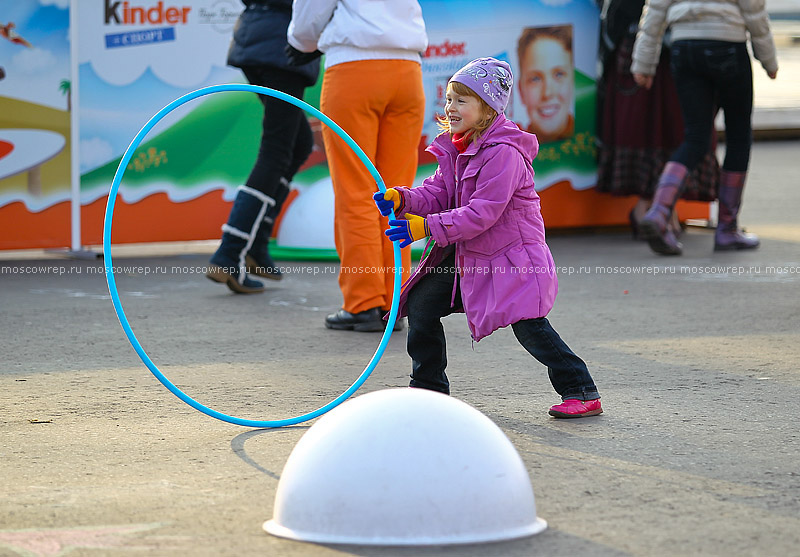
(286, 138)
(710, 74)
(429, 301)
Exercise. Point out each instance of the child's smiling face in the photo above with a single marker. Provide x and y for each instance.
(463, 111)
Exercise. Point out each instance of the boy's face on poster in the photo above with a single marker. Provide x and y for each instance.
(547, 85)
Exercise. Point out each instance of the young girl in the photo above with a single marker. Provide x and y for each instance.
(489, 258)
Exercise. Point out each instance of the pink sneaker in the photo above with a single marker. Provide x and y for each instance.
(573, 408)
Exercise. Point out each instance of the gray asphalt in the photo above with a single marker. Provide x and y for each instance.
(696, 358)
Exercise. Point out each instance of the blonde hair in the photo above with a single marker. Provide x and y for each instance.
(488, 113)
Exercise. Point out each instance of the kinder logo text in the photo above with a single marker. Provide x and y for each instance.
(445, 50)
(123, 13)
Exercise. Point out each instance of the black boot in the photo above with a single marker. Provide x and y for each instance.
(258, 260)
(369, 321)
(228, 263)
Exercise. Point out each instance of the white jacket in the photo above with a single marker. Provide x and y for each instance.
(350, 30)
(721, 20)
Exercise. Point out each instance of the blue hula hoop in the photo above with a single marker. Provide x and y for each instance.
(112, 285)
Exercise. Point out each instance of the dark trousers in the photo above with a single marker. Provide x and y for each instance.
(709, 74)
(286, 139)
(429, 301)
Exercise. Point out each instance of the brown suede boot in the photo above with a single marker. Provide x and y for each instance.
(728, 235)
(655, 225)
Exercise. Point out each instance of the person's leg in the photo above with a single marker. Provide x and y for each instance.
(736, 100)
(429, 301)
(399, 136)
(228, 264)
(637, 214)
(280, 154)
(568, 373)
(244, 245)
(303, 146)
(696, 97)
(259, 261)
(728, 235)
(655, 226)
(285, 145)
(351, 97)
(728, 66)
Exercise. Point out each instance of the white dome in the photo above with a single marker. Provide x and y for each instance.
(404, 467)
(308, 220)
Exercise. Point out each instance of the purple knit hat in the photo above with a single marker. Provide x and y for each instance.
(491, 80)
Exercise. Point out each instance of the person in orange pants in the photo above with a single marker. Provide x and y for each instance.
(387, 125)
(372, 88)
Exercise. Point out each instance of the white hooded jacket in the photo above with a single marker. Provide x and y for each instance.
(351, 30)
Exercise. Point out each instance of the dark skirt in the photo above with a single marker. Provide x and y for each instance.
(639, 130)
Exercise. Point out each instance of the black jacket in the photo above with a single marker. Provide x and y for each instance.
(259, 38)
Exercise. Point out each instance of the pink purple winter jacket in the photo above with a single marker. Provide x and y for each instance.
(483, 201)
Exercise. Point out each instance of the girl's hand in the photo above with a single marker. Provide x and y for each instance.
(773, 75)
(408, 230)
(388, 202)
(642, 80)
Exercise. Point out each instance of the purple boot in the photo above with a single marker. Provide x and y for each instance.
(655, 225)
(728, 236)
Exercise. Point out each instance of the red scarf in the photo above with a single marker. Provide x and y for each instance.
(461, 140)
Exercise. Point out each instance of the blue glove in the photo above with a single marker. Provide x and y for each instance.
(407, 231)
(388, 201)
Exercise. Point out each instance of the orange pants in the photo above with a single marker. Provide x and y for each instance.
(381, 105)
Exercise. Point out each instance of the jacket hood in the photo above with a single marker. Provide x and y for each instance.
(502, 130)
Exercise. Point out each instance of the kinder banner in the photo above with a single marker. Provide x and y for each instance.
(35, 103)
(136, 56)
(133, 57)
